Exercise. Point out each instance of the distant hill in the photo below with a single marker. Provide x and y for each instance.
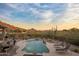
(3, 24)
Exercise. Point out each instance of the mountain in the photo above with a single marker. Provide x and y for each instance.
(3, 24)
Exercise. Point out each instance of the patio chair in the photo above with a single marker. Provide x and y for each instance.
(3, 50)
(5, 46)
(62, 49)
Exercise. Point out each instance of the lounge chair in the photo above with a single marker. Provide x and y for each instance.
(62, 48)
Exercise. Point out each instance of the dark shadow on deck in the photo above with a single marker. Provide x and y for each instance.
(31, 55)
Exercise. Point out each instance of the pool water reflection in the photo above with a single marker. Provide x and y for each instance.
(35, 46)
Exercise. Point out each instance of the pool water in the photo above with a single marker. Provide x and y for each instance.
(36, 46)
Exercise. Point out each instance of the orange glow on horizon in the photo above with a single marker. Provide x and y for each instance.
(43, 26)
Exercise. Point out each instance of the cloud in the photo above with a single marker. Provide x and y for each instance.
(70, 17)
(47, 16)
(5, 19)
(15, 6)
(71, 13)
(6, 15)
(43, 11)
(22, 7)
(35, 11)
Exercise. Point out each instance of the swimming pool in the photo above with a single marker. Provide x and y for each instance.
(35, 46)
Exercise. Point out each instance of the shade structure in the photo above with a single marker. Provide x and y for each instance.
(35, 47)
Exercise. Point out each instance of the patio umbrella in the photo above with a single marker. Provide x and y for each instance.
(35, 47)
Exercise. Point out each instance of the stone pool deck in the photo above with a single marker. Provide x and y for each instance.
(52, 52)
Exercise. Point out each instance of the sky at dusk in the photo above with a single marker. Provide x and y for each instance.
(40, 16)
